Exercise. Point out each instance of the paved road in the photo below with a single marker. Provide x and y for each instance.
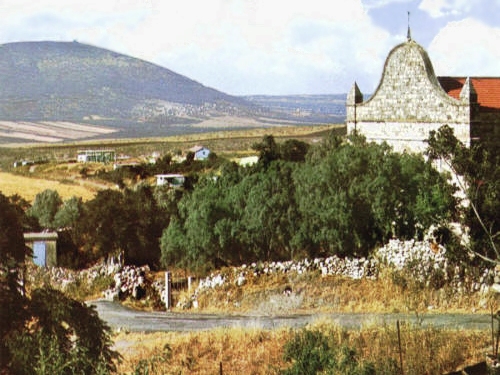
(118, 316)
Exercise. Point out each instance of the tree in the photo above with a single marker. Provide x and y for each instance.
(65, 337)
(144, 223)
(100, 228)
(69, 213)
(476, 170)
(163, 164)
(361, 194)
(45, 207)
(28, 223)
(270, 216)
(47, 333)
(293, 150)
(12, 255)
(128, 222)
(268, 150)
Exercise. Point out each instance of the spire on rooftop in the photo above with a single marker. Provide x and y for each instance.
(408, 35)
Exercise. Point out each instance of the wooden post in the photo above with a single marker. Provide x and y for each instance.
(168, 290)
(190, 280)
(400, 349)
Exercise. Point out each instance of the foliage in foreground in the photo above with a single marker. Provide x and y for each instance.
(479, 169)
(311, 353)
(379, 351)
(46, 332)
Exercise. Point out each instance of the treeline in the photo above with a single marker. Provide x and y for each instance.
(341, 197)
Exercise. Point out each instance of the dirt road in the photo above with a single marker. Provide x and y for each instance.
(120, 317)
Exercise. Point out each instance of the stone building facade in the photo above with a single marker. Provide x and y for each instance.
(410, 101)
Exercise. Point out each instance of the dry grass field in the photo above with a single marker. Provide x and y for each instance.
(29, 187)
(50, 131)
(248, 351)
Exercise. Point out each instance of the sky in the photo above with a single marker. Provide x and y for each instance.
(271, 47)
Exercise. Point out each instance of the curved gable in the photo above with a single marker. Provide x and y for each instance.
(409, 91)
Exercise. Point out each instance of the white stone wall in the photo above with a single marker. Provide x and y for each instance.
(407, 136)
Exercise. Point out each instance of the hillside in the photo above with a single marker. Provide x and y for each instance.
(65, 83)
(72, 81)
(60, 91)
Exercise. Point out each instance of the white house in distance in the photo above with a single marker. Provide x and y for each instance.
(200, 152)
(170, 179)
(96, 156)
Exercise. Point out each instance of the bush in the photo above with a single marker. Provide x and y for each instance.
(311, 352)
(62, 337)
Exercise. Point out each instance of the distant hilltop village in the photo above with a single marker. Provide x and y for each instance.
(410, 101)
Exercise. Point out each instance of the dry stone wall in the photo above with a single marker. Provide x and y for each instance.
(422, 261)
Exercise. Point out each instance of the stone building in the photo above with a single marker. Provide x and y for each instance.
(410, 101)
(44, 247)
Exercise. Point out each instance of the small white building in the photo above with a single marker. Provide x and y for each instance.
(200, 152)
(248, 161)
(172, 180)
(96, 156)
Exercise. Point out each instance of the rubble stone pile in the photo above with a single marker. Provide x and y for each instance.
(61, 278)
(129, 281)
(427, 263)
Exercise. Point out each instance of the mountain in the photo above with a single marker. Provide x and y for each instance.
(56, 91)
(74, 81)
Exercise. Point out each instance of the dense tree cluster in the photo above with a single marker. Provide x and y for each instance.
(340, 198)
(343, 197)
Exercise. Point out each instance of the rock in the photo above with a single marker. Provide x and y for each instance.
(111, 295)
(241, 280)
(495, 288)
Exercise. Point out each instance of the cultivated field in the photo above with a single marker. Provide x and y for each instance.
(50, 131)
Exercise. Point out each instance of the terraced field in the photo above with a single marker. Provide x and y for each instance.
(50, 131)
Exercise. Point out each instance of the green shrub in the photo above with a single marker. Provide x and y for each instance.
(149, 366)
(311, 352)
(63, 337)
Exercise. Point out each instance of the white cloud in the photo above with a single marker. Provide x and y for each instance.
(373, 4)
(237, 46)
(442, 8)
(264, 46)
(466, 48)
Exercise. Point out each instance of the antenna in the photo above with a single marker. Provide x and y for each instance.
(408, 35)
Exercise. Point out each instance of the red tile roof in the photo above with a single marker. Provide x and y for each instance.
(487, 89)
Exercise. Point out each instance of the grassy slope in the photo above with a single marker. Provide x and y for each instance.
(29, 187)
